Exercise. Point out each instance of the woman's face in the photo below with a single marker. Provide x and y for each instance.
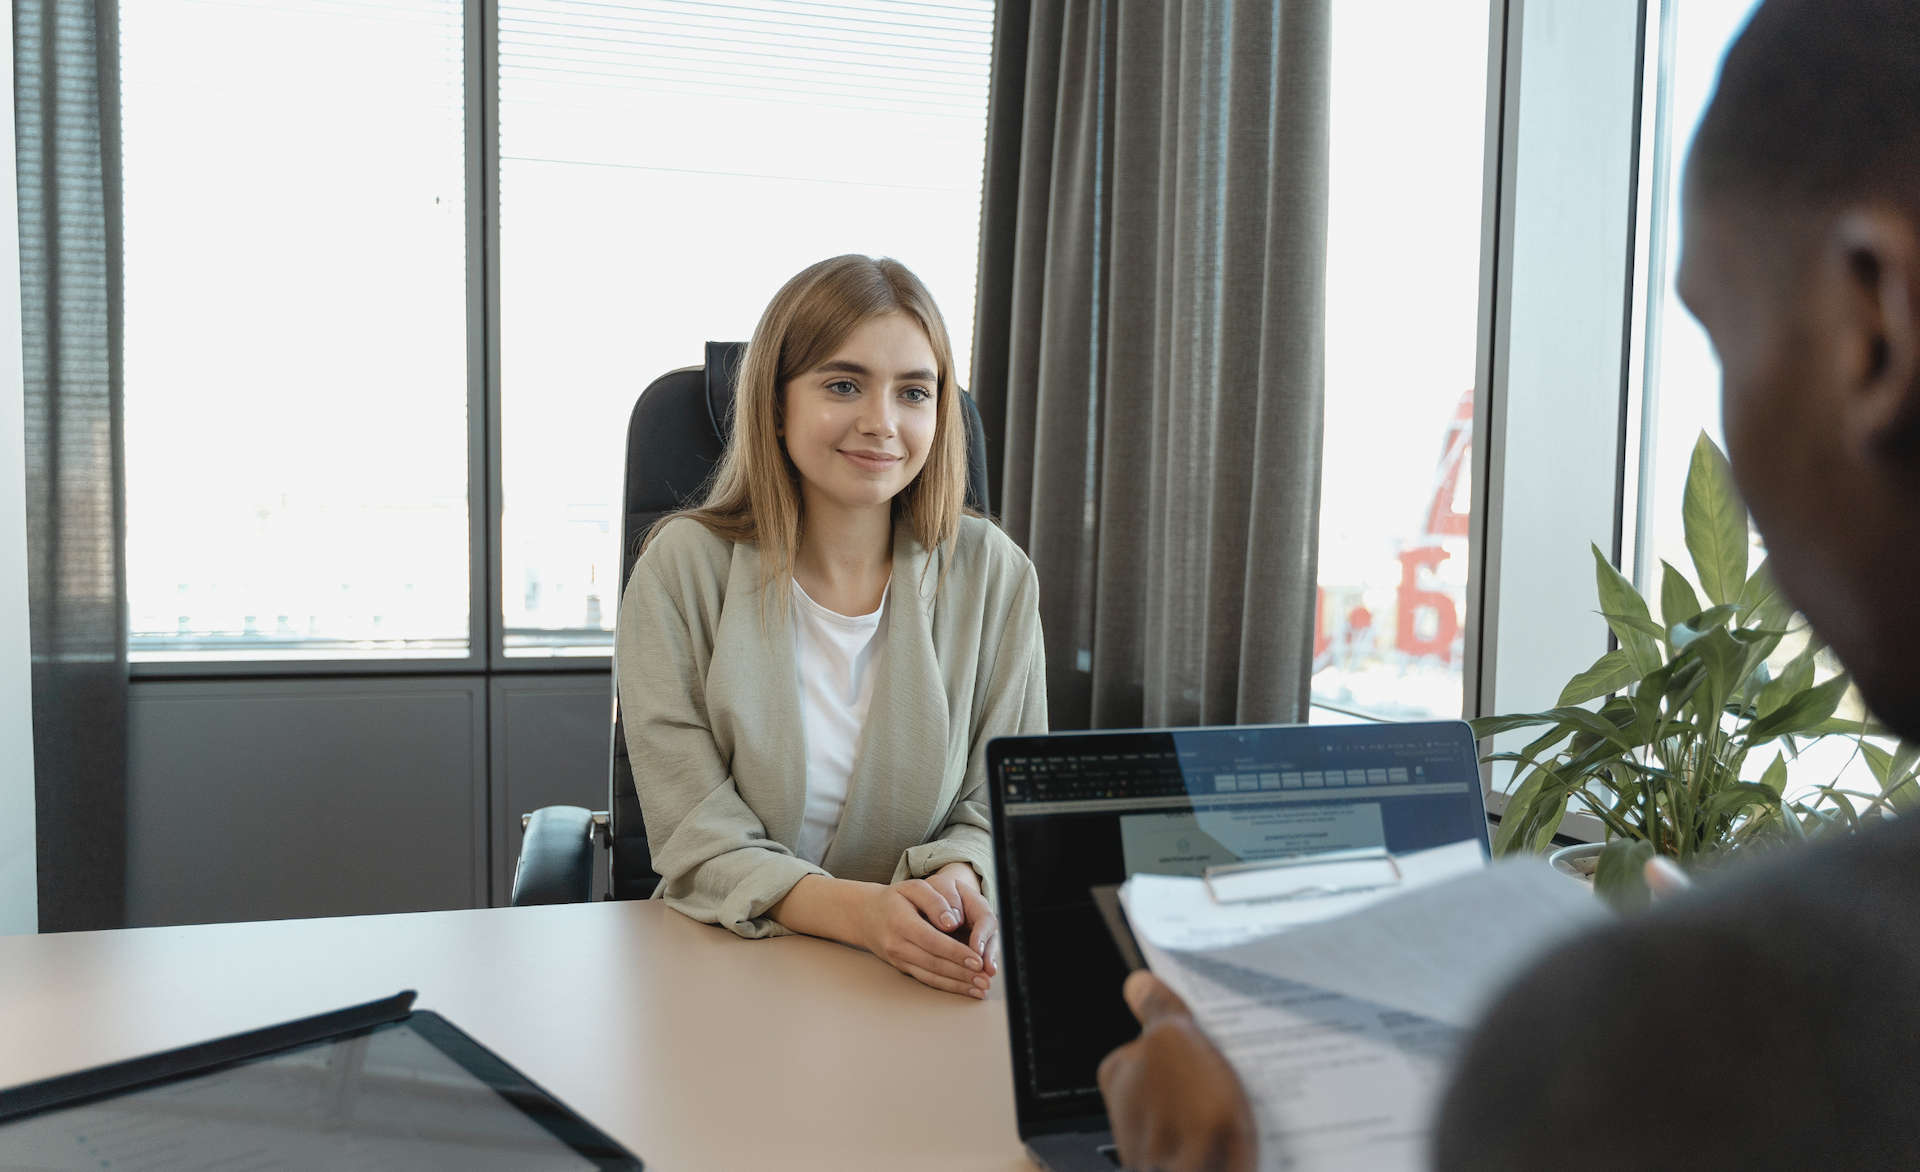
(859, 426)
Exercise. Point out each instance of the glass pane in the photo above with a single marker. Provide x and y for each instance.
(1682, 391)
(296, 329)
(664, 168)
(1403, 287)
(1683, 383)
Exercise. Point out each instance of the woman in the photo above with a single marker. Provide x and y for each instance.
(812, 662)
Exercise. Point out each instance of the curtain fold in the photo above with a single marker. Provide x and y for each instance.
(1149, 346)
(66, 125)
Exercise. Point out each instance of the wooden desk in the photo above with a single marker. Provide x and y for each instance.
(696, 1049)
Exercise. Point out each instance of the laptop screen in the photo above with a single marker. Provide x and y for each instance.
(1077, 811)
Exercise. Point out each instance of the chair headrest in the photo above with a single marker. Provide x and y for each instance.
(723, 366)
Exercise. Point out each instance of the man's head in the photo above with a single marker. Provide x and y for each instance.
(1802, 259)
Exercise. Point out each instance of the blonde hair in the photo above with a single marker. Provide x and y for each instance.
(754, 495)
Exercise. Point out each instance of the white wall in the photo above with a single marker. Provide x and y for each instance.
(19, 893)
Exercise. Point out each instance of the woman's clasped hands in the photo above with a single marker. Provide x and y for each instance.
(938, 930)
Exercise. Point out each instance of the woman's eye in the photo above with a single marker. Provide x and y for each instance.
(842, 387)
(916, 394)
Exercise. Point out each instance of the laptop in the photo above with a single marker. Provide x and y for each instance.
(1075, 814)
(375, 1085)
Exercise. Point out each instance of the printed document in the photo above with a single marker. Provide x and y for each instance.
(1344, 1020)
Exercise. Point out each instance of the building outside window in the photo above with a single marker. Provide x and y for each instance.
(1403, 281)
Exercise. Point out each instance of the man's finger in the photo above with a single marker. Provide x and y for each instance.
(1115, 1079)
(1113, 1063)
(1151, 1000)
(1664, 877)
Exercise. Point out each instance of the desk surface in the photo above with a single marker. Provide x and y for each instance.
(696, 1049)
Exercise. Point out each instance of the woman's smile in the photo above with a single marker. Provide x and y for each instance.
(870, 461)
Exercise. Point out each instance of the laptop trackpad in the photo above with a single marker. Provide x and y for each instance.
(1074, 1151)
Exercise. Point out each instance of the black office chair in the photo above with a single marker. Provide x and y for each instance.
(675, 437)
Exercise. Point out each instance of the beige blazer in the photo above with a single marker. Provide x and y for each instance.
(710, 697)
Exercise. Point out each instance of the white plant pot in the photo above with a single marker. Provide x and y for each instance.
(1579, 861)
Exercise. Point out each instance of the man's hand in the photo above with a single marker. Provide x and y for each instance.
(1175, 1104)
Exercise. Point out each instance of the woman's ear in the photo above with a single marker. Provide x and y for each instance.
(1878, 251)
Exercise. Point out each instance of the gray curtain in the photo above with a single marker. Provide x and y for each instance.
(66, 122)
(1149, 348)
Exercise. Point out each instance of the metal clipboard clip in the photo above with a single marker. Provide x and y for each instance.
(1302, 876)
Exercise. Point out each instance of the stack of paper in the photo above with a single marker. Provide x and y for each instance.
(1342, 1014)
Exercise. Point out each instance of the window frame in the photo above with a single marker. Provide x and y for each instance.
(1519, 656)
(485, 627)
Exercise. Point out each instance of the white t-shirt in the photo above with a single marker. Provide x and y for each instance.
(835, 656)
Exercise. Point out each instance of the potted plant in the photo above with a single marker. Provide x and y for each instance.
(1689, 700)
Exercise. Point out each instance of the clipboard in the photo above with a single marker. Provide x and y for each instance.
(1308, 876)
(1295, 877)
(1107, 899)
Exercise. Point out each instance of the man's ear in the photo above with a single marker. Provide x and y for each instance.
(1877, 251)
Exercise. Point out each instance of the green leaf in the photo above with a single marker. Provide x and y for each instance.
(1684, 685)
(1647, 627)
(1743, 793)
(1753, 675)
(1596, 724)
(1879, 761)
(1712, 619)
(1488, 726)
(1835, 725)
(1724, 658)
(1904, 792)
(1618, 597)
(1550, 825)
(1716, 523)
(1803, 713)
(1519, 804)
(1678, 602)
(1763, 600)
(1906, 755)
(1610, 673)
(1775, 778)
(1620, 878)
(1794, 679)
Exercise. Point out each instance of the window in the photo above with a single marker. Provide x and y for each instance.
(1681, 373)
(309, 455)
(663, 169)
(1681, 388)
(1403, 278)
(296, 351)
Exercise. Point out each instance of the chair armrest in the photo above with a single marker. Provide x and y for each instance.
(556, 857)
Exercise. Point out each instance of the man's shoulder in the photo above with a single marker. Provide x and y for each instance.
(1771, 972)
